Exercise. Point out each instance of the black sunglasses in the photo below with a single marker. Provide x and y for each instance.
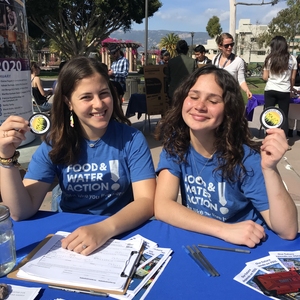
(227, 45)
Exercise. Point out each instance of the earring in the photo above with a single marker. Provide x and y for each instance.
(71, 119)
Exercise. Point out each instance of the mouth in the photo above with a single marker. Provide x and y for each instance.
(98, 114)
(199, 117)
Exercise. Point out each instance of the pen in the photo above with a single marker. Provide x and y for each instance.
(190, 254)
(90, 292)
(224, 248)
(206, 263)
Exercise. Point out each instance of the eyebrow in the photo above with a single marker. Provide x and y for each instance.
(209, 94)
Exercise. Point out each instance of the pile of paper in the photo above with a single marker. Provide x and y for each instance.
(152, 264)
(121, 268)
(276, 262)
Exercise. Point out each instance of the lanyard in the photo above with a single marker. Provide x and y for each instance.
(229, 57)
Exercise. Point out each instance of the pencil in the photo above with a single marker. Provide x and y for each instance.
(224, 248)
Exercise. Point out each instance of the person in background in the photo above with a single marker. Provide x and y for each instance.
(40, 95)
(201, 58)
(11, 18)
(3, 22)
(120, 66)
(61, 65)
(2, 47)
(280, 70)
(230, 188)
(104, 166)
(179, 67)
(295, 94)
(164, 58)
(117, 86)
(143, 58)
(227, 60)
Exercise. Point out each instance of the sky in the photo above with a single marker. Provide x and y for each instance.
(179, 15)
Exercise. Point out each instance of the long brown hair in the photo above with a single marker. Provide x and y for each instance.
(64, 139)
(230, 136)
(278, 59)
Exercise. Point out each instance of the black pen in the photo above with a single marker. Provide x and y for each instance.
(224, 248)
(90, 292)
(208, 265)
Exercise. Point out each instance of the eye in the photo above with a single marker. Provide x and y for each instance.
(86, 97)
(193, 96)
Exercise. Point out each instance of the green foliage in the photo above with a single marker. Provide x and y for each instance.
(169, 42)
(79, 26)
(213, 27)
(286, 23)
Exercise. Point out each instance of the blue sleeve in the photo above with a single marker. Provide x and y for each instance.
(169, 163)
(253, 184)
(140, 162)
(41, 167)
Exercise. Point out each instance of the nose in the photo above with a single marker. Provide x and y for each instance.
(97, 101)
(201, 105)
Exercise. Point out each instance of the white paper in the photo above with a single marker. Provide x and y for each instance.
(152, 260)
(290, 259)
(99, 270)
(246, 277)
(271, 264)
(147, 287)
(148, 243)
(19, 292)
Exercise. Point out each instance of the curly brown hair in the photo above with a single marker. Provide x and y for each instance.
(230, 136)
(64, 139)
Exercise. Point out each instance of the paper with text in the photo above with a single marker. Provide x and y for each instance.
(99, 270)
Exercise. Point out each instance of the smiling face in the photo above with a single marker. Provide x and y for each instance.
(203, 108)
(92, 102)
(200, 56)
(226, 46)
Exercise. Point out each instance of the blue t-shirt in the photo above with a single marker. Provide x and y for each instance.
(100, 182)
(210, 195)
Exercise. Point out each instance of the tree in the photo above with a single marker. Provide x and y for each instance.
(78, 26)
(213, 27)
(232, 8)
(169, 42)
(286, 23)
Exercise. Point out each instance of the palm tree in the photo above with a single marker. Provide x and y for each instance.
(169, 43)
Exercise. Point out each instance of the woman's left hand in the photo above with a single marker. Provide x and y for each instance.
(86, 239)
(273, 148)
(249, 94)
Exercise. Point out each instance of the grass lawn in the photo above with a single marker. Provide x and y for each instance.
(256, 86)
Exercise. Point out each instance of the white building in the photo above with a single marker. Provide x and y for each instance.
(246, 38)
(246, 45)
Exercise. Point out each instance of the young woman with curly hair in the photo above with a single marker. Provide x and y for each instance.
(229, 189)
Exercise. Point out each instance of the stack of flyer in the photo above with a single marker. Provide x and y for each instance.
(152, 263)
(276, 262)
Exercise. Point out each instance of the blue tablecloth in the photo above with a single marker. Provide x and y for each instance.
(257, 100)
(181, 279)
(136, 104)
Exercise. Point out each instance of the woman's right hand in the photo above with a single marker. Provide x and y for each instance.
(246, 233)
(12, 133)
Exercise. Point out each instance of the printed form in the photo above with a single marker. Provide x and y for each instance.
(99, 270)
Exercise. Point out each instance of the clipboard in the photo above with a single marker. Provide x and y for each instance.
(14, 272)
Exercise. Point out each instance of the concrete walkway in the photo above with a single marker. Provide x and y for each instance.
(290, 177)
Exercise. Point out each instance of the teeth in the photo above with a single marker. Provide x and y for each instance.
(99, 115)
